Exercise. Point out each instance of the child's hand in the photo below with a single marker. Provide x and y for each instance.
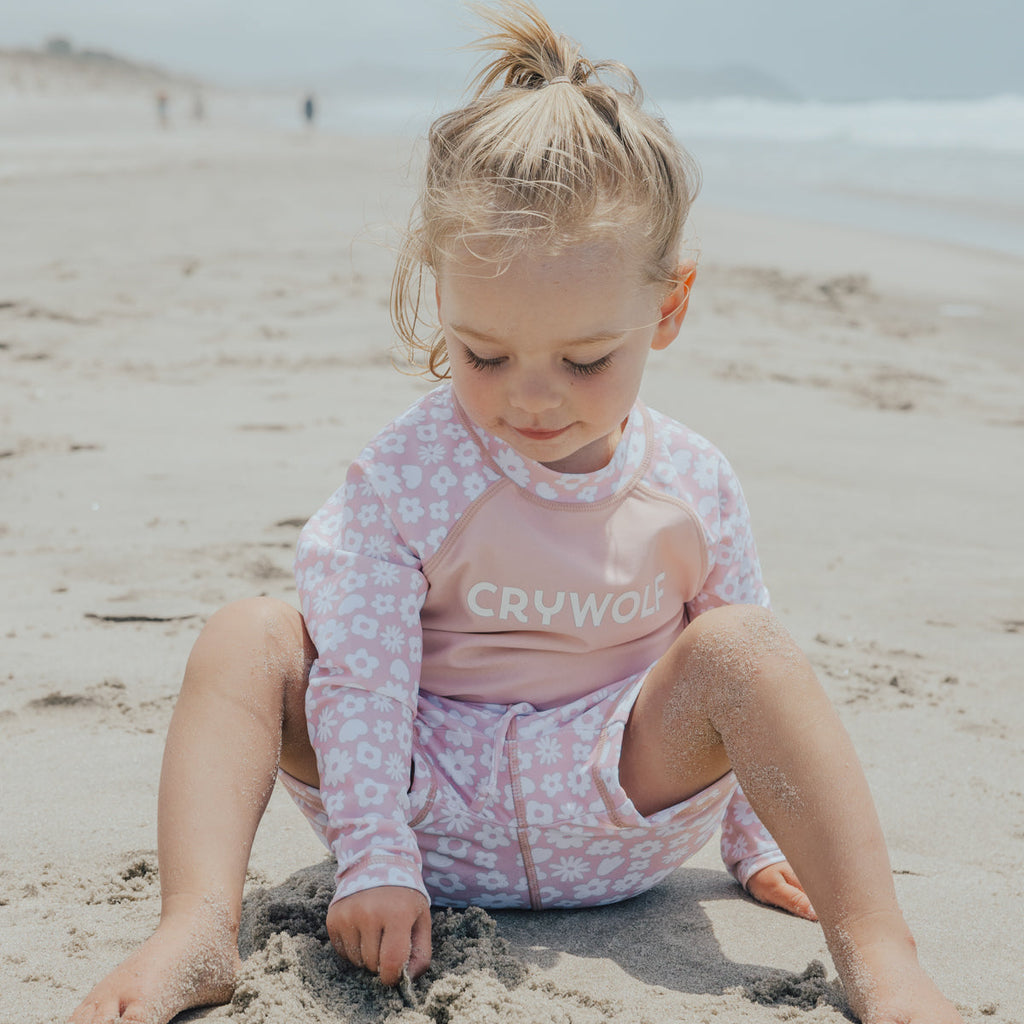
(778, 886)
(384, 930)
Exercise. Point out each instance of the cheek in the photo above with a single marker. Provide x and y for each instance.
(615, 395)
(473, 390)
(614, 387)
(632, 371)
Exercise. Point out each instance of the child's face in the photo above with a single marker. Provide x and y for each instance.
(549, 354)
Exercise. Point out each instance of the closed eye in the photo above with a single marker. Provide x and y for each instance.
(587, 369)
(576, 369)
(479, 363)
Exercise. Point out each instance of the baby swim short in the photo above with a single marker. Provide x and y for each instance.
(518, 807)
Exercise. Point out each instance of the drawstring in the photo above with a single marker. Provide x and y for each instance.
(489, 793)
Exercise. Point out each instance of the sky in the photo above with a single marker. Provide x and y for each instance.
(820, 49)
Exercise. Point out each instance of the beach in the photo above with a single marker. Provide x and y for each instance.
(194, 344)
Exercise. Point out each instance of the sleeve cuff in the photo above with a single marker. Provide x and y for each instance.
(377, 871)
(745, 869)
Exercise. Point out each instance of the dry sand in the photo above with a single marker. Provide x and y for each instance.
(194, 342)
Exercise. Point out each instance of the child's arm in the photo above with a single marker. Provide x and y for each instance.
(754, 859)
(361, 593)
(734, 570)
(748, 850)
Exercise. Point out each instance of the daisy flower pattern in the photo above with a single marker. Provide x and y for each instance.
(433, 618)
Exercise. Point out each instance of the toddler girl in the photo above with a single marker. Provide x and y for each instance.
(535, 659)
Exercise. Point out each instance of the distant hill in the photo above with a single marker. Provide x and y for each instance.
(60, 68)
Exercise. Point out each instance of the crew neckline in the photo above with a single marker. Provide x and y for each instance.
(546, 484)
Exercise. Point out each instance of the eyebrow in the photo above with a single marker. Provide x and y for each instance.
(600, 337)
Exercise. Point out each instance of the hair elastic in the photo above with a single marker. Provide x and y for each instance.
(560, 78)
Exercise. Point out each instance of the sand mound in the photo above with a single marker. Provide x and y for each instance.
(291, 973)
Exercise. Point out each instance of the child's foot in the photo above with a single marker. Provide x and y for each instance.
(190, 960)
(885, 983)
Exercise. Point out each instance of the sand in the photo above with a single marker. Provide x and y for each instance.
(194, 343)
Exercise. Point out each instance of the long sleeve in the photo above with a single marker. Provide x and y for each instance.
(361, 591)
(734, 577)
(746, 845)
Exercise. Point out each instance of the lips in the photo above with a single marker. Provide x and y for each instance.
(539, 435)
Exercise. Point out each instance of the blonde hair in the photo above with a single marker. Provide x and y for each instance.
(544, 155)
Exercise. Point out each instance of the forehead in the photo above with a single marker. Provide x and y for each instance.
(483, 262)
(585, 292)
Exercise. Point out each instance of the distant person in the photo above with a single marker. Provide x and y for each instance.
(198, 108)
(309, 109)
(535, 661)
(162, 103)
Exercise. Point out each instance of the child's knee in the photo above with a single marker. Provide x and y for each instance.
(263, 632)
(730, 624)
(730, 652)
(252, 615)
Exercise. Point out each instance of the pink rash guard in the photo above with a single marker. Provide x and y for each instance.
(451, 565)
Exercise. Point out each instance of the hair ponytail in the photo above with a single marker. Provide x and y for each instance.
(546, 153)
(533, 56)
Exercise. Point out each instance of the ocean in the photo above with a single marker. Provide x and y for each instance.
(948, 171)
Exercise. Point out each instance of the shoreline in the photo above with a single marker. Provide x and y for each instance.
(937, 191)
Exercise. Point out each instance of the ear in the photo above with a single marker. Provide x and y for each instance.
(674, 306)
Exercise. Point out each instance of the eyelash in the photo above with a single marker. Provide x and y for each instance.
(588, 369)
(576, 369)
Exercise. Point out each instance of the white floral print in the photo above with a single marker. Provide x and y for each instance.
(360, 570)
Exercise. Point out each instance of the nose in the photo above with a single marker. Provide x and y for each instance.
(534, 391)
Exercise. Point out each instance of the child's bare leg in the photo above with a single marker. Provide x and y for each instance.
(240, 711)
(736, 691)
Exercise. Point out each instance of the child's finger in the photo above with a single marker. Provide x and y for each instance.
(420, 953)
(345, 940)
(394, 953)
(352, 948)
(370, 949)
(800, 905)
(796, 900)
(790, 898)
